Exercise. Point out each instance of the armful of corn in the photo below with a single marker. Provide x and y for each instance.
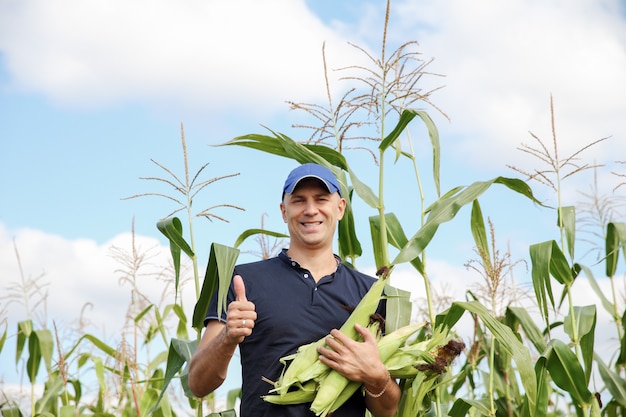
(305, 379)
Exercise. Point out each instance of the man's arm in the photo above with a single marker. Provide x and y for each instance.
(209, 364)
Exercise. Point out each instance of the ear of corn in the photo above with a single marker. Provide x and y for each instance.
(303, 359)
(416, 363)
(305, 365)
(327, 397)
(304, 394)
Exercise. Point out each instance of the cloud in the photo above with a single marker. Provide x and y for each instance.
(201, 54)
(503, 61)
(79, 283)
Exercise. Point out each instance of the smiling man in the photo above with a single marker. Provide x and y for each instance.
(298, 297)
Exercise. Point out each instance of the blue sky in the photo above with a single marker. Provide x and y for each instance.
(91, 92)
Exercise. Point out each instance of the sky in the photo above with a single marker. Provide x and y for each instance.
(93, 96)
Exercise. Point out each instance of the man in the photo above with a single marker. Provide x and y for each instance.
(298, 297)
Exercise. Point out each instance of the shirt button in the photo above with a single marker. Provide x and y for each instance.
(306, 275)
(293, 264)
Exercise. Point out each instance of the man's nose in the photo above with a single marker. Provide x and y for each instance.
(310, 207)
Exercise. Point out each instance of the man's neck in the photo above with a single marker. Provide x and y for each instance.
(318, 262)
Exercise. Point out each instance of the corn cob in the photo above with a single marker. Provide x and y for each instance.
(304, 394)
(327, 398)
(305, 365)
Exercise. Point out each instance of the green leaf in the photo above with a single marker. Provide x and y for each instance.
(585, 321)
(49, 398)
(172, 228)
(615, 239)
(614, 382)
(348, 242)
(231, 397)
(479, 232)
(406, 117)
(24, 330)
(40, 346)
(363, 191)
(148, 401)
(543, 388)
(376, 241)
(530, 328)
(4, 337)
(540, 273)
(505, 336)
(567, 373)
(179, 352)
(395, 237)
(252, 232)
(621, 359)
(11, 412)
(111, 352)
(446, 208)
(460, 408)
(608, 305)
(567, 220)
(67, 411)
(481, 406)
(399, 308)
(218, 275)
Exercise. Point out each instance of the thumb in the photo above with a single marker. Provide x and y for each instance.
(240, 288)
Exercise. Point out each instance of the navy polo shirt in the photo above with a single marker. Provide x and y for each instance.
(292, 310)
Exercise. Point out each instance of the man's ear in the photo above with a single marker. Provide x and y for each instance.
(282, 212)
(342, 208)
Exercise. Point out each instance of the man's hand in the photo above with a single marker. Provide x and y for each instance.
(241, 314)
(357, 361)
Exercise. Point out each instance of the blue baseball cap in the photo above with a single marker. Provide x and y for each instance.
(310, 170)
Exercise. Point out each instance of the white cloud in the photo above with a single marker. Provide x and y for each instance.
(203, 54)
(502, 62)
(79, 279)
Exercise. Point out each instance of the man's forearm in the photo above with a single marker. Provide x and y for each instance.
(384, 402)
(209, 365)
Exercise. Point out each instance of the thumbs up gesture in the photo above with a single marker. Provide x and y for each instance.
(241, 313)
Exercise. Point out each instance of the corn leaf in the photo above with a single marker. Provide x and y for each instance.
(606, 303)
(406, 117)
(24, 330)
(348, 242)
(543, 388)
(172, 228)
(479, 233)
(40, 346)
(567, 373)
(179, 352)
(447, 207)
(585, 319)
(218, 276)
(508, 341)
(615, 384)
(530, 328)
(615, 240)
(621, 358)
(252, 232)
(567, 220)
(398, 308)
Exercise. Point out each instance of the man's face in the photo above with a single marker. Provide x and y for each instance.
(311, 214)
